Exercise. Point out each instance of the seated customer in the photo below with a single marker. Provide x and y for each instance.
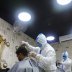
(24, 64)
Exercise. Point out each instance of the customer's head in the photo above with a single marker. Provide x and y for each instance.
(21, 52)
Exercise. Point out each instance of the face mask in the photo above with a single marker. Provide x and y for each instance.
(40, 45)
(64, 57)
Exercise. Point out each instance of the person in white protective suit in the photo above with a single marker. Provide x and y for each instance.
(24, 64)
(66, 62)
(44, 54)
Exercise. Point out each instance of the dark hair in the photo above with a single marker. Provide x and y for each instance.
(22, 49)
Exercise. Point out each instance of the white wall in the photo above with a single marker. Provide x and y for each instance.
(61, 47)
(8, 53)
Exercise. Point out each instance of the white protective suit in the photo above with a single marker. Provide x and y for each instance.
(67, 63)
(47, 58)
(25, 65)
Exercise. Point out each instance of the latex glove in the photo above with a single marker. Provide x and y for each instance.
(23, 42)
(32, 54)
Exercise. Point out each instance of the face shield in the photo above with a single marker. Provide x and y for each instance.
(41, 40)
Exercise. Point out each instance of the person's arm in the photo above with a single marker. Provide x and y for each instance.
(30, 47)
(44, 61)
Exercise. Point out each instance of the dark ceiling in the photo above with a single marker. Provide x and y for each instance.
(48, 19)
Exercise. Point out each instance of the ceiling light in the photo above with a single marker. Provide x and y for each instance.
(24, 16)
(50, 38)
(63, 2)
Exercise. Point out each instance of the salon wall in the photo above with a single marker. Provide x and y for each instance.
(13, 40)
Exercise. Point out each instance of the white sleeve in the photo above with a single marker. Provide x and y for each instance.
(45, 61)
(32, 48)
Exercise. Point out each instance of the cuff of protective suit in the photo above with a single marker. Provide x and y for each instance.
(27, 43)
(38, 57)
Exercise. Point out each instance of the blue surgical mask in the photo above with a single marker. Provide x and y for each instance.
(64, 57)
(40, 45)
